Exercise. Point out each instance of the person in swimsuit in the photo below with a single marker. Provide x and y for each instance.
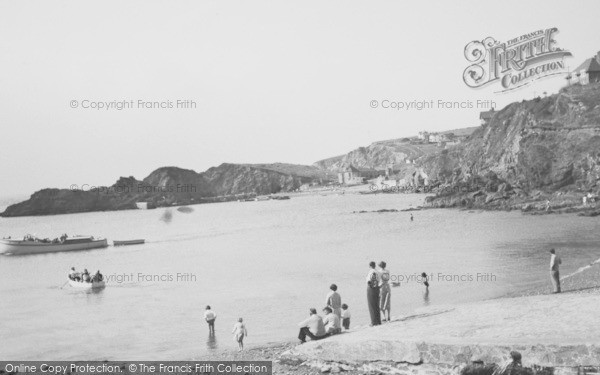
(239, 332)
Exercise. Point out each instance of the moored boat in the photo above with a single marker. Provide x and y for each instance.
(31, 245)
(128, 242)
(84, 285)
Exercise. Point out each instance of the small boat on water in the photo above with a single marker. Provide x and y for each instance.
(84, 285)
(33, 245)
(128, 242)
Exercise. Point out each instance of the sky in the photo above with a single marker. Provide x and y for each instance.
(273, 81)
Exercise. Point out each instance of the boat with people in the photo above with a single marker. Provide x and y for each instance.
(83, 280)
(34, 245)
(128, 242)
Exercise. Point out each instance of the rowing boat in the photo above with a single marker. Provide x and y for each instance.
(84, 285)
(128, 242)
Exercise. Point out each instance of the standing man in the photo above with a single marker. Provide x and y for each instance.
(210, 317)
(334, 301)
(373, 279)
(555, 262)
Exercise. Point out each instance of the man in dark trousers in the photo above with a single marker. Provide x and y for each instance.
(555, 262)
(373, 279)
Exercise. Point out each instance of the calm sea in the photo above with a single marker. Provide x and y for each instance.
(267, 262)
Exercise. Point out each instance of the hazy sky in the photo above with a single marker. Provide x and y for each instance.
(274, 81)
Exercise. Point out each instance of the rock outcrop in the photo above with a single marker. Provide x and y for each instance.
(170, 186)
(547, 149)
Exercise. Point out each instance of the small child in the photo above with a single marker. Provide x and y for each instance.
(239, 331)
(345, 317)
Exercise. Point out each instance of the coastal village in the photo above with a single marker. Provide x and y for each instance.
(296, 228)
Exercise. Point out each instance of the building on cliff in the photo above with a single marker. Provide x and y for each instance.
(420, 178)
(486, 116)
(350, 175)
(589, 71)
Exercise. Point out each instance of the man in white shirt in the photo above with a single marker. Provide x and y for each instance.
(312, 327)
(210, 317)
(331, 321)
(555, 262)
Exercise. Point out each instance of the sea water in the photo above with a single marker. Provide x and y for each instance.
(267, 262)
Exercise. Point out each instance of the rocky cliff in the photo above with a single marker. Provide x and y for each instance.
(547, 149)
(169, 186)
(382, 154)
(378, 155)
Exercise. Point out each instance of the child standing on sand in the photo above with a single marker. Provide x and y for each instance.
(239, 331)
(345, 317)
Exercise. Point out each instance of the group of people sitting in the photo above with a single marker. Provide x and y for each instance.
(335, 315)
(85, 276)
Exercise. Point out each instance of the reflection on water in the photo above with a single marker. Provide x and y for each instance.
(426, 297)
(211, 342)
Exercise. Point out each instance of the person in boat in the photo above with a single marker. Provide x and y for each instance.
(85, 276)
(74, 275)
(97, 277)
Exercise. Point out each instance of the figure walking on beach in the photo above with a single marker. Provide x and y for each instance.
(334, 300)
(384, 292)
(210, 317)
(239, 332)
(411, 217)
(373, 295)
(555, 262)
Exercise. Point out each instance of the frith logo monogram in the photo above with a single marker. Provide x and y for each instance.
(515, 63)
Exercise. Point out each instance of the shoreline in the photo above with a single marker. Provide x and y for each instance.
(560, 202)
(560, 342)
